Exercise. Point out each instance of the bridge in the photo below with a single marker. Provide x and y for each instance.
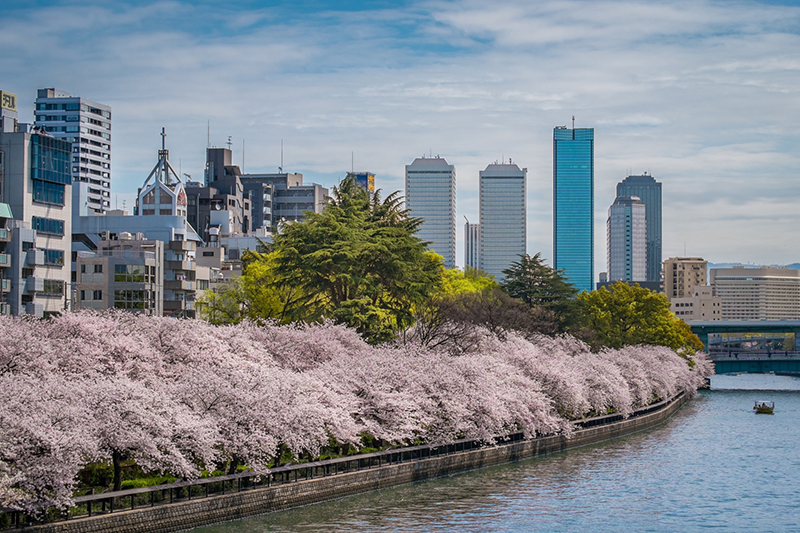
(753, 346)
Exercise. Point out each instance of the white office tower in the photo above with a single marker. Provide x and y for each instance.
(87, 125)
(431, 196)
(626, 234)
(472, 243)
(503, 224)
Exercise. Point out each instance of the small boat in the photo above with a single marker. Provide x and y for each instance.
(764, 408)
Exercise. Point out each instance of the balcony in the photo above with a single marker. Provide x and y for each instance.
(179, 285)
(5, 235)
(5, 260)
(34, 257)
(179, 265)
(5, 285)
(5, 309)
(33, 285)
(185, 246)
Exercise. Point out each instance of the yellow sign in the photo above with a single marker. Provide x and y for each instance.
(8, 101)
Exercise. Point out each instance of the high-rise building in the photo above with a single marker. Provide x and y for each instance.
(472, 241)
(87, 125)
(649, 191)
(222, 207)
(503, 217)
(36, 181)
(431, 196)
(766, 293)
(626, 233)
(682, 274)
(573, 204)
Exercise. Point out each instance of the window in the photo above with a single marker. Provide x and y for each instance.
(98, 269)
(54, 257)
(53, 287)
(98, 295)
(132, 299)
(49, 226)
(83, 294)
(83, 271)
(129, 273)
(27, 246)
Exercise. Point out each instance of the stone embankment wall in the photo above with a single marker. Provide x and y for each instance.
(189, 514)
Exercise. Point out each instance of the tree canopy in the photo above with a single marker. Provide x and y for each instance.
(358, 262)
(632, 315)
(540, 286)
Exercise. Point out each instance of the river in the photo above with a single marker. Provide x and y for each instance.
(715, 464)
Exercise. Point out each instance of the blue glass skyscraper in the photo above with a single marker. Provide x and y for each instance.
(573, 204)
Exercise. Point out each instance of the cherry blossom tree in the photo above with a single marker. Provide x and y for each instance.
(179, 396)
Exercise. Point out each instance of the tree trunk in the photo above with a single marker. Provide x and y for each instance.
(234, 465)
(117, 460)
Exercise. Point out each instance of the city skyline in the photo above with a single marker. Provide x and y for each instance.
(699, 94)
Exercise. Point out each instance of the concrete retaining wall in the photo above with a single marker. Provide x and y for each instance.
(221, 508)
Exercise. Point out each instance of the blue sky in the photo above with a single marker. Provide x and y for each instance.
(704, 95)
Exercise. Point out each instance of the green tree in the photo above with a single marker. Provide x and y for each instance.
(630, 315)
(541, 286)
(255, 295)
(358, 262)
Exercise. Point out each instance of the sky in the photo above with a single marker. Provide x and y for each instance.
(703, 95)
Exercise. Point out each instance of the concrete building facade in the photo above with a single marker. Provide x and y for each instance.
(430, 185)
(626, 240)
(124, 273)
(503, 217)
(682, 274)
(701, 304)
(290, 198)
(36, 187)
(222, 203)
(472, 242)
(765, 293)
(648, 190)
(86, 125)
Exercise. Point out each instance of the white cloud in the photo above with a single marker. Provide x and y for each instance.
(702, 94)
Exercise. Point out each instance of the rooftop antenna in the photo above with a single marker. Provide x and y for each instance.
(573, 122)
(163, 139)
(208, 141)
(229, 143)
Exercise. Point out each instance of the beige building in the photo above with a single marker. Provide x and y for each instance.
(682, 274)
(766, 293)
(124, 273)
(702, 304)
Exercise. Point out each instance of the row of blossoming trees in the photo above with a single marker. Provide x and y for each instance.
(180, 396)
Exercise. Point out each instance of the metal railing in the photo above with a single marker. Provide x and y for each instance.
(179, 491)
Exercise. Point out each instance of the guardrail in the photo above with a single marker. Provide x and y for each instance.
(179, 491)
(754, 355)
